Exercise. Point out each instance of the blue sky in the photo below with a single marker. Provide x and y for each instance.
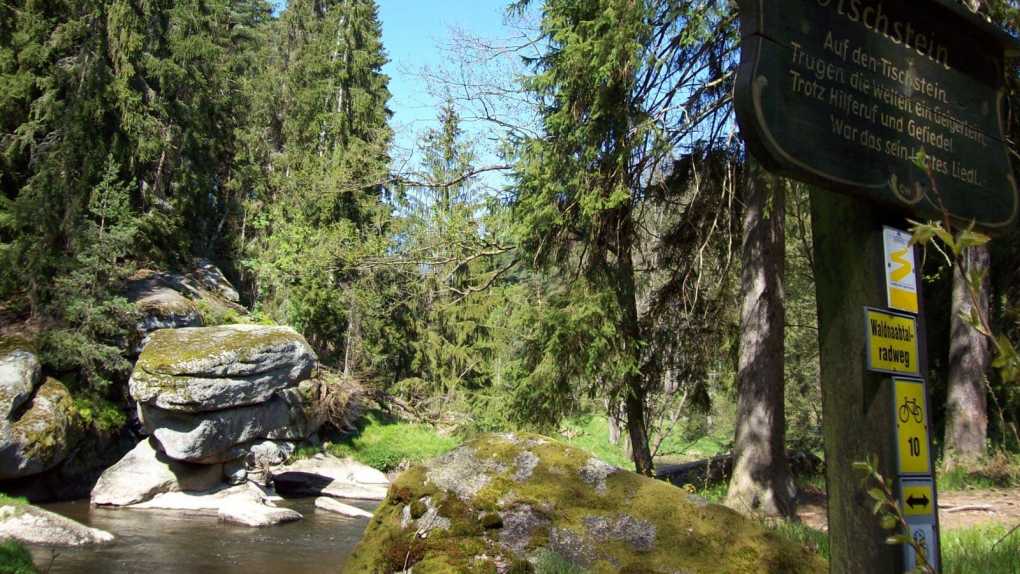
(413, 33)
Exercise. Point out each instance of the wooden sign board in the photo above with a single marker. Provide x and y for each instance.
(845, 93)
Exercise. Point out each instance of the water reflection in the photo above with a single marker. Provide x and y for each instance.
(157, 542)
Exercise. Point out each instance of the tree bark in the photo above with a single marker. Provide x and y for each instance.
(847, 239)
(969, 357)
(635, 393)
(761, 481)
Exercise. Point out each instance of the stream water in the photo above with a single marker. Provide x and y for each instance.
(158, 542)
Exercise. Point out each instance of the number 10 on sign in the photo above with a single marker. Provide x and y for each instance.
(910, 413)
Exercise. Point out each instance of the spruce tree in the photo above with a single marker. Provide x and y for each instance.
(576, 197)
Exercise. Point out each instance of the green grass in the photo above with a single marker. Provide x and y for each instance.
(964, 551)
(385, 444)
(15, 558)
(803, 535)
(969, 551)
(591, 433)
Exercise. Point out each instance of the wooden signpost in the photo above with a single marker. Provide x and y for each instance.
(875, 100)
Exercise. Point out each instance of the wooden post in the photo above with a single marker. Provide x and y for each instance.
(855, 403)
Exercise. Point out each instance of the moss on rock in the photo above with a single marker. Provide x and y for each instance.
(509, 499)
(43, 435)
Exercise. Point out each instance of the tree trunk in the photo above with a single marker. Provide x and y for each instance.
(634, 390)
(969, 356)
(847, 237)
(761, 481)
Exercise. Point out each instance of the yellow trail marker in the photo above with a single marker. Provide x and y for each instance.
(892, 343)
(917, 498)
(900, 279)
(911, 416)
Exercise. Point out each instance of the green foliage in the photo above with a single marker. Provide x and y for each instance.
(887, 510)
(12, 500)
(215, 314)
(385, 444)
(450, 237)
(318, 155)
(95, 318)
(99, 413)
(15, 558)
(573, 210)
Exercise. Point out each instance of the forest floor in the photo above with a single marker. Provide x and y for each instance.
(957, 509)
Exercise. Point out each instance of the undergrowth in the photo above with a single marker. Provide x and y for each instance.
(999, 470)
(15, 558)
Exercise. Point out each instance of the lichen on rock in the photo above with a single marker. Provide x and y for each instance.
(214, 368)
(505, 500)
(41, 436)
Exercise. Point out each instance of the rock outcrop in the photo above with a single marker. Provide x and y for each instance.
(500, 502)
(41, 433)
(178, 300)
(145, 472)
(19, 375)
(330, 476)
(33, 525)
(207, 394)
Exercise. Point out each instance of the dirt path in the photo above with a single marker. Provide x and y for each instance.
(956, 509)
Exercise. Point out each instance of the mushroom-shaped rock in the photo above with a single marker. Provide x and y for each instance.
(145, 472)
(215, 368)
(499, 502)
(41, 435)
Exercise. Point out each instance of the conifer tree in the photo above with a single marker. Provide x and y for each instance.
(577, 193)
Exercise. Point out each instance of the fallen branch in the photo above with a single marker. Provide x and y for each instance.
(967, 508)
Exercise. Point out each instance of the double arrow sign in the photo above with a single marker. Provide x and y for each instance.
(913, 501)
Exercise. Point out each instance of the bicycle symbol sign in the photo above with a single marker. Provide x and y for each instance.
(911, 427)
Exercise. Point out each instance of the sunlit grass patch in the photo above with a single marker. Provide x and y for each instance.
(384, 444)
(973, 551)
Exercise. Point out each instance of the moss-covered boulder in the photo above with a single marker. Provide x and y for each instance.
(40, 437)
(215, 368)
(499, 503)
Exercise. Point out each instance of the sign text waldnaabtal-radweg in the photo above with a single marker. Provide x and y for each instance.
(845, 93)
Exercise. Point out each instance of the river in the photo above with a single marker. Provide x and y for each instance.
(158, 542)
